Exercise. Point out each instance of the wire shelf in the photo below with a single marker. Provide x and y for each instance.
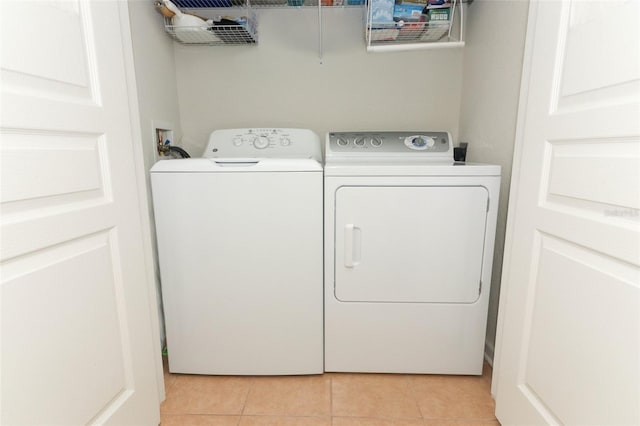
(410, 32)
(268, 3)
(305, 3)
(214, 34)
(200, 4)
(195, 6)
(419, 32)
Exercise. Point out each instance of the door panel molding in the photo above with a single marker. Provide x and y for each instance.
(77, 332)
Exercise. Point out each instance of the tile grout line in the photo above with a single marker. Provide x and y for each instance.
(331, 400)
(246, 399)
(165, 376)
(415, 397)
(463, 420)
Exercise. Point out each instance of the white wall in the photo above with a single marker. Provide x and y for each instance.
(155, 72)
(280, 82)
(493, 55)
(156, 88)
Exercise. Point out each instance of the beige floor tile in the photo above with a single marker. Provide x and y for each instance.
(168, 377)
(429, 422)
(291, 396)
(360, 421)
(284, 421)
(206, 395)
(454, 397)
(373, 395)
(487, 372)
(197, 420)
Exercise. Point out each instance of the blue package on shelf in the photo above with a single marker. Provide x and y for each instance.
(203, 3)
(407, 11)
(382, 11)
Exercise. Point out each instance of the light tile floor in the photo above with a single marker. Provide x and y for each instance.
(332, 399)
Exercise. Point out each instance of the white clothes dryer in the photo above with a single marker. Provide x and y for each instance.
(409, 238)
(240, 249)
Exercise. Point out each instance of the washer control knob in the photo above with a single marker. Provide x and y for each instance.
(261, 142)
(359, 142)
(285, 141)
(376, 142)
(342, 142)
(237, 141)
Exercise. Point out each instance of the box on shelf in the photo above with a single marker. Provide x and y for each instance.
(408, 12)
(382, 11)
(438, 3)
(439, 14)
(415, 11)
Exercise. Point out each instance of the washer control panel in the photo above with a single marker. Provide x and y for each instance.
(422, 143)
(263, 143)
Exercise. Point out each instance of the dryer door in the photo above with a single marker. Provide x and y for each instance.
(409, 244)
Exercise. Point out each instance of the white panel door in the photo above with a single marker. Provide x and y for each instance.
(76, 332)
(569, 327)
(409, 244)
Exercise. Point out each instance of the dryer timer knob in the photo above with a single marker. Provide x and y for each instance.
(419, 142)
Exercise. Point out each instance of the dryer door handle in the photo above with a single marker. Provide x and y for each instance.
(352, 244)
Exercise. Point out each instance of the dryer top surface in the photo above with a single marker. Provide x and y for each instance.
(405, 168)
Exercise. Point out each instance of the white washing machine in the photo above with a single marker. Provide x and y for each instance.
(409, 240)
(240, 249)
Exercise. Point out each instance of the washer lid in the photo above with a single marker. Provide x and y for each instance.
(236, 165)
(410, 168)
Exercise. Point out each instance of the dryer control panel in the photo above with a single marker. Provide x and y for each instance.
(409, 144)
